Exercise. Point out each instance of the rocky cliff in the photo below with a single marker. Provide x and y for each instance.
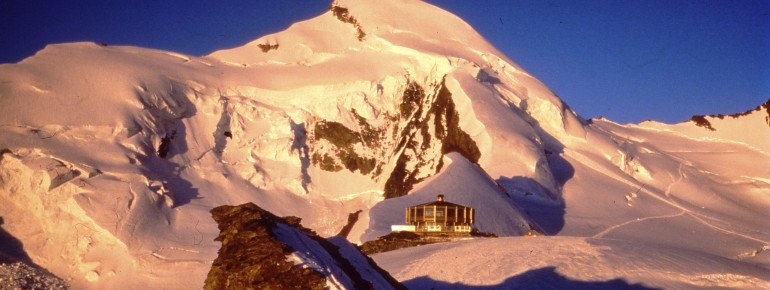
(263, 251)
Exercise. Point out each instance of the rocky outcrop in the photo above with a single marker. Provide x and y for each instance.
(19, 275)
(433, 124)
(702, 121)
(343, 15)
(412, 140)
(345, 141)
(262, 251)
(251, 256)
(394, 241)
(400, 240)
(765, 107)
(265, 47)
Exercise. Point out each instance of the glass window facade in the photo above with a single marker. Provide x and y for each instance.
(440, 217)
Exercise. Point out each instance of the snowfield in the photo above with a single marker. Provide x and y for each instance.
(565, 263)
(111, 158)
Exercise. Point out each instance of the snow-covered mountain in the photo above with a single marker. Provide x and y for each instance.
(113, 156)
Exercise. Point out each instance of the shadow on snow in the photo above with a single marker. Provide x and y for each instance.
(543, 278)
(527, 192)
(161, 168)
(11, 249)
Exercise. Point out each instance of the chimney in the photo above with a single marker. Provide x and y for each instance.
(440, 198)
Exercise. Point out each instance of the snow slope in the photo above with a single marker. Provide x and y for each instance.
(565, 263)
(112, 156)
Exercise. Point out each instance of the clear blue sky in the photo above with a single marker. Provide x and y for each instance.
(628, 60)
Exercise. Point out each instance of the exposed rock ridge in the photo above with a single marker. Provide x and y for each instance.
(265, 47)
(345, 142)
(418, 146)
(343, 15)
(253, 255)
(701, 121)
(412, 141)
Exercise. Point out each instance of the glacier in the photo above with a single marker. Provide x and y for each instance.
(113, 156)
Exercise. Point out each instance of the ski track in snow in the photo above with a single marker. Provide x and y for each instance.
(666, 193)
(585, 160)
(612, 228)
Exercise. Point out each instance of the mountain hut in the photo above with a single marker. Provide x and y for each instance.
(438, 217)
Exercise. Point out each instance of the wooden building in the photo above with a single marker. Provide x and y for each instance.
(438, 217)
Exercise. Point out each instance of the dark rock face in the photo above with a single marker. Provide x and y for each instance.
(344, 140)
(343, 15)
(400, 240)
(165, 143)
(19, 275)
(766, 106)
(442, 118)
(425, 128)
(394, 241)
(253, 257)
(265, 47)
(453, 139)
(701, 121)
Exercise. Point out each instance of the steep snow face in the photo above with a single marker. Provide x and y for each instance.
(129, 148)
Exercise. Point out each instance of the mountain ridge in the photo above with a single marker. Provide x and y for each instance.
(317, 124)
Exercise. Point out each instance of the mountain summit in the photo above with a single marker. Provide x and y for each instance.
(112, 156)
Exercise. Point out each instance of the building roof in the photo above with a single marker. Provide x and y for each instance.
(440, 201)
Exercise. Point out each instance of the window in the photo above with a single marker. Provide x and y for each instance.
(433, 228)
